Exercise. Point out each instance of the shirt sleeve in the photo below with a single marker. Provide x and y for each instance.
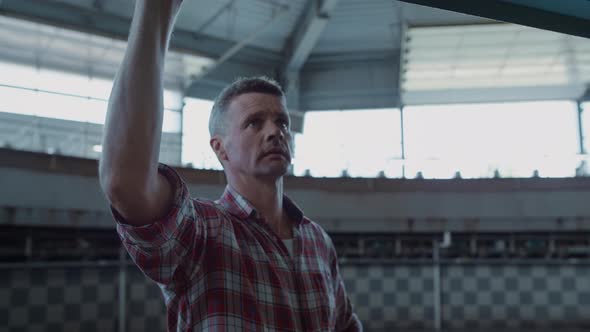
(170, 249)
(346, 319)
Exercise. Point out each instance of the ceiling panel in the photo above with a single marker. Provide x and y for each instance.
(236, 20)
(357, 25)
(461, 59)
(233, 20)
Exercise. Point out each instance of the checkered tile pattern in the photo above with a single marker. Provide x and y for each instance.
(71, 299)
(386, 298)
(146, 310)
(516, 297)
(390, 297)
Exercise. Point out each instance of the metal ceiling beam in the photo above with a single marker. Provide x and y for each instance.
(493, 95)
(239, 46)
(585, 97)
(99, 22)
(300, 43)
(307, 31)
(567, 16)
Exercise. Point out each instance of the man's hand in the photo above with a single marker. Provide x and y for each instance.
(165, 8)
(174, 5)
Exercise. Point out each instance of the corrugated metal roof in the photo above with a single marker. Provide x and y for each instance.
(243, 18)
(358, 25)
(237, 19)
(515, 61)
(355, 25)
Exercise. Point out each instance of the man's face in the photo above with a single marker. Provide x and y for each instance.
(257, 140)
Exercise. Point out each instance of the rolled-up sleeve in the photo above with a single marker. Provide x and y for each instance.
(167, 250)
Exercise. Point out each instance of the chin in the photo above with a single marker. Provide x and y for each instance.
(273, 171)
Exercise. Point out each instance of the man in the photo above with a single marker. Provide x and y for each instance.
(248, 261)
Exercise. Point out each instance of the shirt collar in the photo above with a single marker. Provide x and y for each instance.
(239, 206)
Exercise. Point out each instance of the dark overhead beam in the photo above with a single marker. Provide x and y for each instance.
(530, 13)
(300, 43)
(99, 22)
(307, 31)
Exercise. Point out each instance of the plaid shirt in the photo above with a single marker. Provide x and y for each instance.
(222, 268)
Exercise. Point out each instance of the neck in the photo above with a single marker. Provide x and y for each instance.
(266, 195)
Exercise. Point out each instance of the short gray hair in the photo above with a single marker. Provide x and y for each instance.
(242, 85)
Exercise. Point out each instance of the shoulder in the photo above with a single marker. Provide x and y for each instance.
(214, 216)
(316, 228)
(316, 233)
(206, 208)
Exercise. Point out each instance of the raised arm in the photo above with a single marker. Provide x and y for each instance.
(128, 167)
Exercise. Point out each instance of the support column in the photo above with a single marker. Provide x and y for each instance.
(403, 142)
(122, 290)
(581, 128)
(182, 108)
(436, 286)
(291, 84)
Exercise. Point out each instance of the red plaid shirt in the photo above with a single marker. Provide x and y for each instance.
(222, 268)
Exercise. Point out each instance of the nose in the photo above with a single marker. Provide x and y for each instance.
(275, 132)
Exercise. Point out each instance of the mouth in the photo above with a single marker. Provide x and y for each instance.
(276, 154)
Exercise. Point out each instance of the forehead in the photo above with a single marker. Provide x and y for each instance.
(253, 102)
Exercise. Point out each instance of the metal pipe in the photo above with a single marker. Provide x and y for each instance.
(581, 127)
(346, 261)
(64, 264)
(403, 143)
(52, 92)
(436, 287)
(403, 35)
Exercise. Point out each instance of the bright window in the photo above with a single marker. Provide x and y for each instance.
(52, 94)
(476, 139)
(195, 139)
(362, 142)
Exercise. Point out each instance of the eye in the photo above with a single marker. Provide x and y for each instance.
(254, 123)
(284, 124)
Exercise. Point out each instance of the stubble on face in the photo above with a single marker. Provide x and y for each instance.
(256, 142)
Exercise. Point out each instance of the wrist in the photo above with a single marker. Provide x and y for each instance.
(156, 17)
(161, 12)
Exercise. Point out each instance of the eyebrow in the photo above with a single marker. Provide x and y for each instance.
(259, 114)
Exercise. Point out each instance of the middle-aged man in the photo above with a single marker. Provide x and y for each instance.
(250, 261)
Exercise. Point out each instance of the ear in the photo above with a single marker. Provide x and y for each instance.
(216, 143)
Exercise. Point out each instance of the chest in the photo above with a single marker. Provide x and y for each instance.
(257, 242)
(252, 267)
